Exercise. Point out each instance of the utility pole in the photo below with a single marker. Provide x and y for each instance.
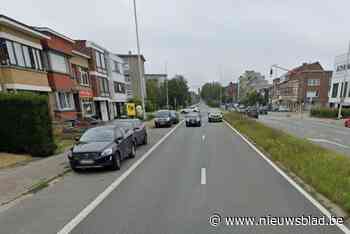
(166, 85)
(343, 91)
(142, 81)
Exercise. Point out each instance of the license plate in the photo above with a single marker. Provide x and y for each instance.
(86, 162)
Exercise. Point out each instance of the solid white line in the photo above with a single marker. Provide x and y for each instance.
(89, 208)
(292, 182)
(203, 176)
(329, 142)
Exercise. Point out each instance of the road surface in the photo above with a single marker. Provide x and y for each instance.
(328, 135)
(193, 174)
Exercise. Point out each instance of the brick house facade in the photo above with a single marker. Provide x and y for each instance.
(303, 87)
(57, 53)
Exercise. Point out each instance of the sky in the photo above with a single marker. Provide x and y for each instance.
(202, 40)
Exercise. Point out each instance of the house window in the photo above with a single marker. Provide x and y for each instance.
(84, 77)
(16, 54)
(116, 67)
(335, 90)
(313, 82)
(100, 61)
(58, 62)
(345, 89)
(11, 52)
(88, 107)
(104, 89)
(65, 101)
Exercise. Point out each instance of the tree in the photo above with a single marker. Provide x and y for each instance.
(153, 95)
(178, 91)
(210, 93)
(254, 98)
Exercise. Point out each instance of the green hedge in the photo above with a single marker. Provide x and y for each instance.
(25, 124)
(323, 112)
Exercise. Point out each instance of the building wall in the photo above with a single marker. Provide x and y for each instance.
(24, 76)
(58, 44)
(6, 31)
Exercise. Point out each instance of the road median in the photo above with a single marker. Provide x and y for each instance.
(326, 171)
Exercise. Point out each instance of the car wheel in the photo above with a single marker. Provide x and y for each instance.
(116, 164)
(145, 140)
(133, 151)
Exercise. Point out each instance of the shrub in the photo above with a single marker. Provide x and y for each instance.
(25, 124)
(324, 112)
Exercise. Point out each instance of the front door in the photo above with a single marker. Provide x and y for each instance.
(104, 111)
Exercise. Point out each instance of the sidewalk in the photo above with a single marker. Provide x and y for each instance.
(17, 181)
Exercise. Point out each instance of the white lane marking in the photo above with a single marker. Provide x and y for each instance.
(292, 182)
(89, 208)
(203, 176)
(329, 142)
(203, 137)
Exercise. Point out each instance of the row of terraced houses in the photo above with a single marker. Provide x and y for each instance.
(80, 77)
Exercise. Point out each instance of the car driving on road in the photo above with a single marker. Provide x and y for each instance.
(105, 146)
(215, 116)
(136, 126)
(193, 119)
(162, 118)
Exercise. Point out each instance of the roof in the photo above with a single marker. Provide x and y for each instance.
(131, 55)
(5, 20)
(53, 32)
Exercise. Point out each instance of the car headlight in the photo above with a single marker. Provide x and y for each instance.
(168, 119)
(106, 152)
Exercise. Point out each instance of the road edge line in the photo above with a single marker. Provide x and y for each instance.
(67, 228)
(317, 204)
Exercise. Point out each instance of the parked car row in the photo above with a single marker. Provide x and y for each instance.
(108, 145)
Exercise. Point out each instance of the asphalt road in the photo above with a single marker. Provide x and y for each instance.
(194, 173)
(47, 211)
(325, 134)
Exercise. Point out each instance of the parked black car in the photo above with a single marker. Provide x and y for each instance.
(193, 119)
(174, 117)
(252, 112)
(105, 146)
(138, 128)
(162, 118)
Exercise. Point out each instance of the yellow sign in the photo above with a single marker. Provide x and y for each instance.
(131, 109)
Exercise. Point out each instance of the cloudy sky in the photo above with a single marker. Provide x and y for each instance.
(200, 38)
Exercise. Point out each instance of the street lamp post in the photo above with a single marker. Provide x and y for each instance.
(142, 81)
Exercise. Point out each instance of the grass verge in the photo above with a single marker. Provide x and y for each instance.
(8, 160)
(326, 171)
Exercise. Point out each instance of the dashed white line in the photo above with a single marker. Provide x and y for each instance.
(203, 176)
(203, 137)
